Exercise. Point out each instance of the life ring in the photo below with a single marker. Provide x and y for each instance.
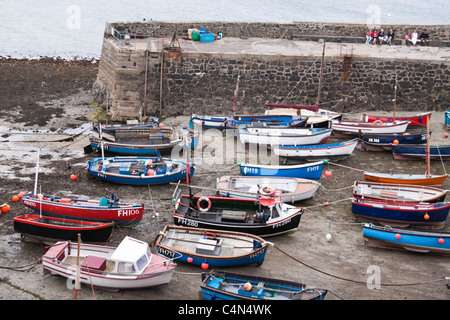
(209, 235)
(199, 204)
(377, 121)
(266, 190)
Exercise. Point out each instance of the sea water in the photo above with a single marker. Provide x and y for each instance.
(71, 29)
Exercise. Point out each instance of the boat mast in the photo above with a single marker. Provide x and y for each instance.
(320, 78)
(37, 171)
(428, 145)
(395, 93)
(235, 96)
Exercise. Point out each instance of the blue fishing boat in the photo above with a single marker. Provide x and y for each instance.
(407, 239)
(143, 141)
(233, 122)
(139, 170)
(332, 151)
(223, 285)
(401, 214)
(377, 142)
(311, 170)
(414, 152)
(211, 247)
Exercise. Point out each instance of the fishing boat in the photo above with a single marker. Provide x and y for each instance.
(224, 285)
(152, 122)
(358, 127)
(130, 265)
(417, 179)
(142, 141)
(401, 214)
(312, 170)
(398, 192)
(317, 118)
(405, 178)
(381, 142)
(292, 189)
(416, 152)
(420, 119)
(264, 217)
(234, 122)
(333, 151)
(405, 239)
(283, 136)
(105, 209)
(45, 228)
(139, 170)
(210, 247)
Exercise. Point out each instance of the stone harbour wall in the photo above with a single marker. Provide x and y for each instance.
(165, 83)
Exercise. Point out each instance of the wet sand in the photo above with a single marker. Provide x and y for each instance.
(343, 264)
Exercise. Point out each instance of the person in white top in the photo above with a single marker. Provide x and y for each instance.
(414, 37)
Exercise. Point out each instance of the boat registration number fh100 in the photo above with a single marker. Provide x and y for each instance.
(128, 212)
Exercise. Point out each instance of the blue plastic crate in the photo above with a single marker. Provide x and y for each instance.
(207, 37)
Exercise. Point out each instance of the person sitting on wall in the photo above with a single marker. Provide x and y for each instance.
(381, 37)
(390, 36)
(374, 36)
(368, 37)
(414, 37)
(424, 37)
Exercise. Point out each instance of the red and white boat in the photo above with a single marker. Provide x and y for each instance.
(53, 229)
(130, 265)
(356, 127)
(420, 119)
(103, 210)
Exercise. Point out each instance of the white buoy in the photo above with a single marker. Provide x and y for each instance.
(328, 237)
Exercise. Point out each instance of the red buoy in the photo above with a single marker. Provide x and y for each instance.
(328, 173)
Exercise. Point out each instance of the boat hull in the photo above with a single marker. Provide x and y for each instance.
(415, 152)
(311, 171)
(415, 179)
(409, 240)
(398, 192)
(131, 171)
(124, 215)
(255, 255)
(273, 137)
(215, 287)
(293, 189)
(47, 229)
(415, 120)
(429, 216)
(53, 263)
(333, 151)
(377, 142)
(355, 127)
(207, 220)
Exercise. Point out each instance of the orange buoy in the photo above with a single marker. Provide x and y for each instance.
(395, 142)
(190, 259)
(441, 240)
(398, 236)
(21, 195)
(160, 125)
(328, 173)
(73, 177)
(15, 198)
(5, 208)
(205, 265)
(247, 286)
(445, 135)
(426, 216)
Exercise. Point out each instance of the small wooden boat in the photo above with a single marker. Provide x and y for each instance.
(263, 217)
(283, 136)
(142, 141)
(377, 142)
(102, 210)
(139, 170)
(52, 229)
(317, 118)
(233, 122)
(311, 170)
(401, 214)
(130, 265)
(292, 189)
(400, 178)
(223, 285)
(211, 248)
(333, 151)
(398, 192)
(111, 128)
(357, 127)
(409, 240)
(420, 119)
(415, 152)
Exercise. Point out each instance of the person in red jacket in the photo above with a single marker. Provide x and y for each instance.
(374, 36)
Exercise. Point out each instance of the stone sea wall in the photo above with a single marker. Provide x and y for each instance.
(166, 83)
